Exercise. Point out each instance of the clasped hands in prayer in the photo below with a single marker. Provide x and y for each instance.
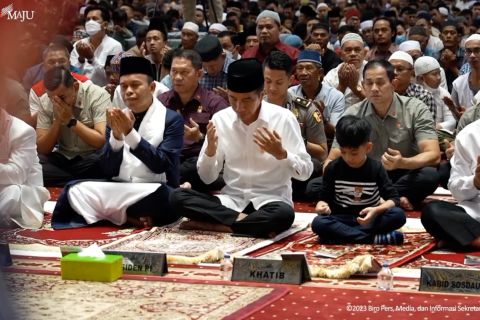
(121, 122)
(85, 50)
(268, 140)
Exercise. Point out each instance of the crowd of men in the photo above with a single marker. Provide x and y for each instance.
(220, 112)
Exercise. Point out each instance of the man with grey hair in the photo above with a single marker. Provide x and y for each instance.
(347, 76)
(268, 33)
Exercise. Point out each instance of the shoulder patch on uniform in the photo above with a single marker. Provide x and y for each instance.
(317, 116)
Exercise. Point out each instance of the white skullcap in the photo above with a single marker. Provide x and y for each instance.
(367, 24)
(351, 37)
(217, 26)
(408, 45)
(269, 14)
(443, 11)
(199, 7)
(425, 65)
(474, 36)
(190, 26)
(400, 55)
(322, 5)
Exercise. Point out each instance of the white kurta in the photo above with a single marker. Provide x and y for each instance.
(331, 79)
(22, 194)
(461, 93)
(464, 162)
(250, 174)
(97, 201)
(95, 71)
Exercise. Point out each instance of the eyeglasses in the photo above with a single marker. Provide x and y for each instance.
(475, 51)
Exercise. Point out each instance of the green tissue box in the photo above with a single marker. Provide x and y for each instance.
(106, 269)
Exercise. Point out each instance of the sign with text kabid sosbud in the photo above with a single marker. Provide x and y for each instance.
(444, 279)
(292, 269)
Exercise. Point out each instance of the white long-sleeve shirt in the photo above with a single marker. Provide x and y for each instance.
(250, 174)
(95, 71)
(464, 163)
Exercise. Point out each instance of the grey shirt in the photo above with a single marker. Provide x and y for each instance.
(407, 122)
(468, 117)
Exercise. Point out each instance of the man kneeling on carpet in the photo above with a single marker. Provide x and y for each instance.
(358, 203)
(141, 155)
(260, 148)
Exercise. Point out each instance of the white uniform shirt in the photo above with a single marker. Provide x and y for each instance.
(464, 162)
(95, 71)
(250, 174)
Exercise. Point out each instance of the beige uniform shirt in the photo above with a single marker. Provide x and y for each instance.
(408, 121)
(89, 109)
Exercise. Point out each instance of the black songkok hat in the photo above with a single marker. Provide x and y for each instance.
(130, 65)
(245, 75)
(158, 24)
(209, 48)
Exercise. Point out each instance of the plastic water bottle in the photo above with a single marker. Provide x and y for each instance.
(385, 278)
(226, 267)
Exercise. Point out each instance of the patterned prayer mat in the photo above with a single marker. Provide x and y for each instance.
(440, 258)
(173, 240)
(306, 241)
(50, 297)
(83, 237)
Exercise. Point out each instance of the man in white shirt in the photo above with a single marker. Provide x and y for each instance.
(89, 55)
(466, 86)
(22, 194)
(458, 226)
(260, 148)
(347, 76)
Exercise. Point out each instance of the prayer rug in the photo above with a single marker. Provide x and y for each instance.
(83, 237)
(306, 241)
(175, 241)
(443, 258)
(49, 297)
(305, 302)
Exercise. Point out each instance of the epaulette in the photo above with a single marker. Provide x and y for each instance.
(302, 102)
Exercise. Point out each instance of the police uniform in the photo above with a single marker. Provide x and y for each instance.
(309, 118)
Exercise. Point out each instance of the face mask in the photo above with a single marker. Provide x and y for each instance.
(400, 38)
(92, 27)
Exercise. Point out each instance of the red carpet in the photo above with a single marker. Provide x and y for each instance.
(306, 303)
(101, 234)
(443, 259)
(415, 245)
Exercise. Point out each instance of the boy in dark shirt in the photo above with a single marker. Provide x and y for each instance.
(358, 203)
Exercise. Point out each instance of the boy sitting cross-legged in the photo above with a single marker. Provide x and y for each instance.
(358, 203)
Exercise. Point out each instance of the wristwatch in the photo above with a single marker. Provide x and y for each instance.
(72, 123)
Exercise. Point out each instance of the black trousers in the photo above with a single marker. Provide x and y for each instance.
(58, 170)
(273, 217)
(299, 188)
(450, 223)
(444, 169)
(416, 185)
(189, 172)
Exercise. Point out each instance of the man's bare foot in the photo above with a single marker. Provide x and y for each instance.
(140, 222)
(186, 185)
(405, 204)
(241, 216)
(207, 226)
(475, 243)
